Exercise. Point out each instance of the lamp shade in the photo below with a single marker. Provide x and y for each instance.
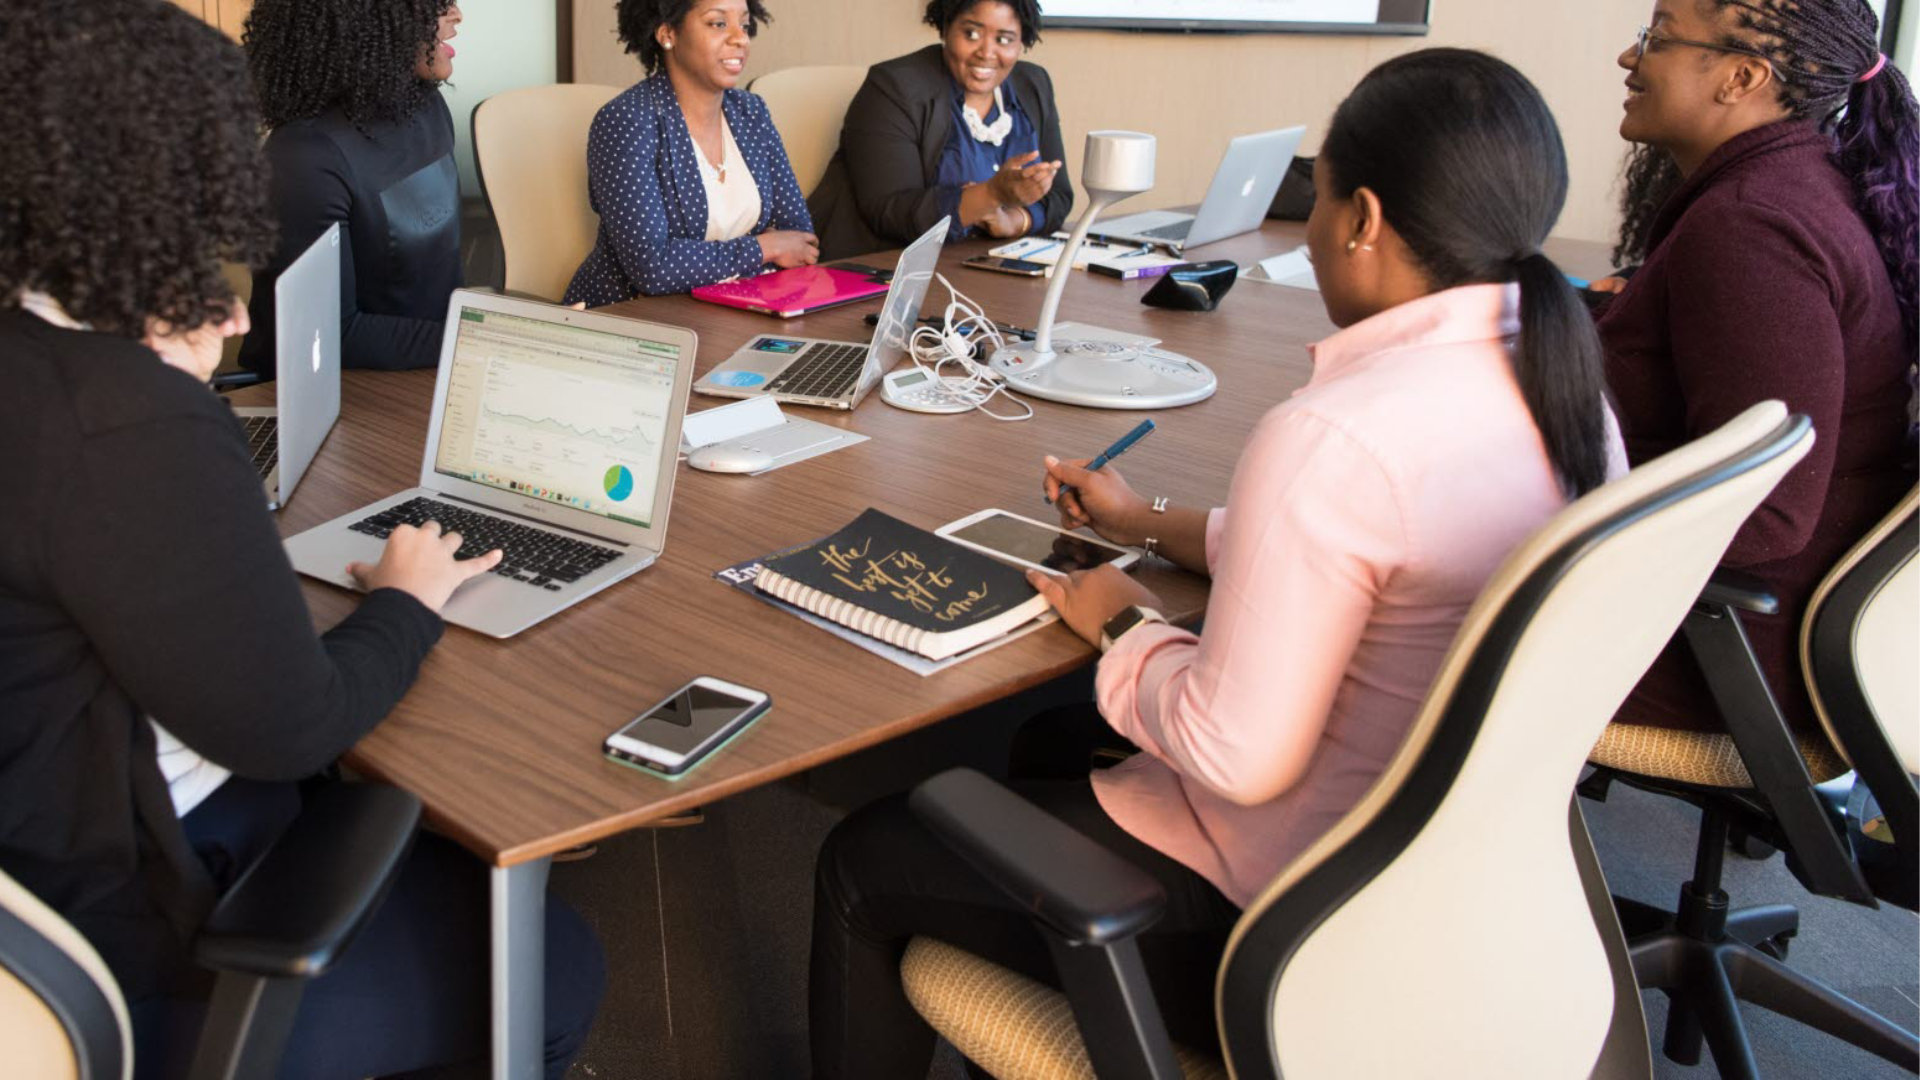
(1118, 163)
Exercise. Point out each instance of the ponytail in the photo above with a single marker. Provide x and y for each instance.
(1558, 362)
(1471, 174)
(1878, 147)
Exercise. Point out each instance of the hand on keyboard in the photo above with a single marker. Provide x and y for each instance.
(420, 561)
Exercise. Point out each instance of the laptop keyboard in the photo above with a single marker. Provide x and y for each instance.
(1176, 231)
(824, 370)
(263, 442)
(535, 556)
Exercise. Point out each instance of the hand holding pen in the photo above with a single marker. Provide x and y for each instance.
(1056, 490)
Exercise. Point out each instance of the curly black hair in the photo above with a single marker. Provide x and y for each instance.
(639, 20)
(941, 13)
(126, 212)
(308, 56)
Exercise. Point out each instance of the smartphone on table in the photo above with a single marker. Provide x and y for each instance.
(1000, 265)
(689, 724)
(1037, 545)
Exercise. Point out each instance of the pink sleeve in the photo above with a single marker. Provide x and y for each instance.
(1216, 528)
(1312, 533)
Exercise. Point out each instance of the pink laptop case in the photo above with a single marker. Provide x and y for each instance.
(787, 293)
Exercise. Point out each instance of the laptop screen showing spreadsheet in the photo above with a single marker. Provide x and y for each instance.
(566, 414)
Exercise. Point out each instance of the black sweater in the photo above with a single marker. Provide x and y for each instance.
(396, 192)
(140, 575)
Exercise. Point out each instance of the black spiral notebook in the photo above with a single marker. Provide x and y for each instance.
(903, 585)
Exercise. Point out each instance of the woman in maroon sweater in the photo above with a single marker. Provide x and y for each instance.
(1779, 248)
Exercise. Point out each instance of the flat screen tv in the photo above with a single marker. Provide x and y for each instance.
(1289, 16)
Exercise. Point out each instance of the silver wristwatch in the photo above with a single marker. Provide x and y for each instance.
(1129, 618)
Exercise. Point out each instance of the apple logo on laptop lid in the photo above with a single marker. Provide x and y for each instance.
(316, 352)
(1246, 189)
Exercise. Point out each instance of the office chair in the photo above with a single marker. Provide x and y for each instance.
(808, 105)
(1450, 924)
(530, 153)
(286, 921)
(1855, 840)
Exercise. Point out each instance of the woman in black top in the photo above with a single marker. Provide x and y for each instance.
(161, 684)
(360, 134)
(963, 129)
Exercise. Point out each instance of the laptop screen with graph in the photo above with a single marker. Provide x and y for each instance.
(567, 414)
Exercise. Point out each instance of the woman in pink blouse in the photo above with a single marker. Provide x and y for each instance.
(1458, 407)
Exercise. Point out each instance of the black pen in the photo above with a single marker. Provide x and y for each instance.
(1120, 446)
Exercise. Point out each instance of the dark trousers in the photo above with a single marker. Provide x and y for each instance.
(411, 993)
(883, 878)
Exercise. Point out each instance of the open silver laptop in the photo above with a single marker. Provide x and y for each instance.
(285, 436)
(553, 437)
(834, 374)
(1242, 190)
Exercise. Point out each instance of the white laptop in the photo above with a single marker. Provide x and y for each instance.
(285, 436)
(834, 374)
(1242, 190)
(554, 437)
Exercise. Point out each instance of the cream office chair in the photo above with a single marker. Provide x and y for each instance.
(62, 1016)
(530, 151)
(808, 105)
(1452, 924)
(1856, 838)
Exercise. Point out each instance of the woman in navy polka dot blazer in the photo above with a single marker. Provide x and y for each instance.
(687, 173)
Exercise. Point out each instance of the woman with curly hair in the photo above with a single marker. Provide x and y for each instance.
(161, 684)
(686, 171)
(359, 134)
(964, 129)
(1774, 196)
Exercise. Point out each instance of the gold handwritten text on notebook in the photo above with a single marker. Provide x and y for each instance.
(903, 575)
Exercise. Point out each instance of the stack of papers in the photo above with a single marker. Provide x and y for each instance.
(1046, 250)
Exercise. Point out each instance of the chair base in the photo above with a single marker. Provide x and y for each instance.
(1707, 974)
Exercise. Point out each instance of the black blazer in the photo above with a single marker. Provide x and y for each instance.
(878, 192)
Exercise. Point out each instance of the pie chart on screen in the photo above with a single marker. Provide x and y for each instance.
(619, 483)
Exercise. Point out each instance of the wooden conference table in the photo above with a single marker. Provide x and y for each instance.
(501, 739)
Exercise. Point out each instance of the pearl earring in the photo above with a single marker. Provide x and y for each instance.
(1353, 245)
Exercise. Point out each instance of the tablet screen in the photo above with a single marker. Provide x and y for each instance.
(1036, 544)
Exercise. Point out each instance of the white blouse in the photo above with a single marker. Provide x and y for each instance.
(733, 206)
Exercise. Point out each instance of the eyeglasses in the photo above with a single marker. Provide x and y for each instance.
(1647, 35)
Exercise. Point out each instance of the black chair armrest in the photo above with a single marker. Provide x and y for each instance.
(1082, 892)
(234, 380)
(297, 909)
(1742, 592)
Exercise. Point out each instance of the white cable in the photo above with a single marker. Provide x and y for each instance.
(932, 350)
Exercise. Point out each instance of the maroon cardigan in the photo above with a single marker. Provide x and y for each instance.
(1762, 281)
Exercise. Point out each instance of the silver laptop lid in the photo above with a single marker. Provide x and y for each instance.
(1244, 184)
(569, 417)
(306, 340)
(901, 311)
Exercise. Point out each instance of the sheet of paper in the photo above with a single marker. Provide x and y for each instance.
(1291, 268)
(1046, 250)
(723, 422)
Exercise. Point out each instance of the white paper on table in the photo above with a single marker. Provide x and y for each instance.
(1290, 268)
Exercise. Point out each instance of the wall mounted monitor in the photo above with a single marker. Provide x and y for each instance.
(1287, 16)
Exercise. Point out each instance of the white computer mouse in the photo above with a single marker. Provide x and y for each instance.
(730, 459)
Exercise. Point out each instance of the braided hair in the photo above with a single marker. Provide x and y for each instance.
(1822, 51)
(309, 56)
(1471, 174)
(125, 213)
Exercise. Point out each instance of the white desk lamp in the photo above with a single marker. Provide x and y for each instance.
(1089, 365)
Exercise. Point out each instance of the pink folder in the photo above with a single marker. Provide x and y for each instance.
(787, 293)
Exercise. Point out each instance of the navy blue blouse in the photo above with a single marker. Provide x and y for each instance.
(967, 160)
(643, 177)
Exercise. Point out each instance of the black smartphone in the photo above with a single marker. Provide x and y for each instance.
(874, 272)
(1001, 265)
(691, 723)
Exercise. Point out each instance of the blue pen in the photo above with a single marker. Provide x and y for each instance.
(1120, 446)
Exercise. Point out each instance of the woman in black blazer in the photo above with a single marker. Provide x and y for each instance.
(964, 129)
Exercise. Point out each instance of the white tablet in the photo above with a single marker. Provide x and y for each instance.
(1034, 544)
